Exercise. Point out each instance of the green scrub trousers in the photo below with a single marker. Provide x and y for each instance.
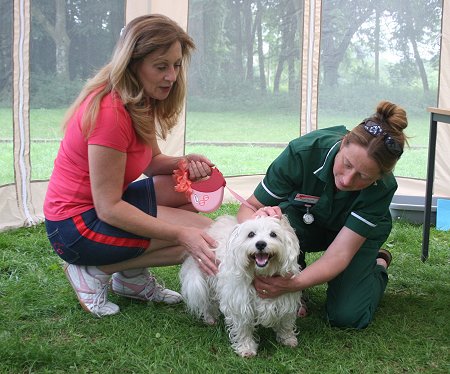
(353, 296)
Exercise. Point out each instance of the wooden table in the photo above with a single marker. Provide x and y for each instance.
(436, 115)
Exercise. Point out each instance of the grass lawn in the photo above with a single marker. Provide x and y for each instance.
(203, 127)
(44, 330)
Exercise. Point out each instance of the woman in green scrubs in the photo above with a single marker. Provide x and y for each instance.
(336, 186)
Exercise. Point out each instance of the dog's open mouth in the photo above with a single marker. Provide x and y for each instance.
(261, 259)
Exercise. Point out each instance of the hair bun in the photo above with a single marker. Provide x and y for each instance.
(392, 115)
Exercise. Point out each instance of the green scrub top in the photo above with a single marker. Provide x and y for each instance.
(301, 179)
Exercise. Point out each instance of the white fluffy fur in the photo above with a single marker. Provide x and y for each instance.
(232, 291)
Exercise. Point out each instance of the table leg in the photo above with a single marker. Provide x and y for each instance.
(429, 188)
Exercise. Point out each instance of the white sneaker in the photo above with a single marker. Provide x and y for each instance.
(143, 287)
(91, 290)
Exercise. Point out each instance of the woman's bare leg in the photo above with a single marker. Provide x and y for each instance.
(161, 252)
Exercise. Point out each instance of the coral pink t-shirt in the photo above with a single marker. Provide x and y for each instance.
(69, 190)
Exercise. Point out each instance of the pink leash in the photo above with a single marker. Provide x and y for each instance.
(241, 199)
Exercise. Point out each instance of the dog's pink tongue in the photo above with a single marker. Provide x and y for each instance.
(262, 259)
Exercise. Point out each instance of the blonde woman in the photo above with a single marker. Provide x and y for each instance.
(101, 219)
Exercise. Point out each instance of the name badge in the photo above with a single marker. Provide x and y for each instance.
(307, 199)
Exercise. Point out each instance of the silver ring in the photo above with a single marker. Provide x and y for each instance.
(200, 260)
(264, 292)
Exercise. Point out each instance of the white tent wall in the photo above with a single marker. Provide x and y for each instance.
(21, 201)
(310, 65)
(442, 171)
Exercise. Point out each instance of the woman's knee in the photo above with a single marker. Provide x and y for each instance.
(166, 194)
(183, 217)
(347, 316)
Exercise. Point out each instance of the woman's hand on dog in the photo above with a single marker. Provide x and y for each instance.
(199, 245)
(268, 211)
(270, 287)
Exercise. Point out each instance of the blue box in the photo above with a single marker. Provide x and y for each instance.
(443, 214)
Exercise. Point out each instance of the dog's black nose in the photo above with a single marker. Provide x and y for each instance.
(260, 245)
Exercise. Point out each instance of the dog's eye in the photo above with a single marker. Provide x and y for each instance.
(273, 234)
(251, 234)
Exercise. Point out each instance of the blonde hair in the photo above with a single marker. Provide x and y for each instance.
(392, 120)
(150, 118)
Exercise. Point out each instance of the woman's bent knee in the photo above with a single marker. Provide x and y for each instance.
(346, 317)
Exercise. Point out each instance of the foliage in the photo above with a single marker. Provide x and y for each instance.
(228, 59)
(50, 91)
(226, 94)
(361, 99)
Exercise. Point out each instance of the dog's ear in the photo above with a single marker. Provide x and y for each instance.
(236, 257)
(233, 242)
(291, 241)
(234, 235)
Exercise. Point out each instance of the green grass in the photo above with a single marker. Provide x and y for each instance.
(233, 160)
(44, 330)
(264, 126)
(256, 126)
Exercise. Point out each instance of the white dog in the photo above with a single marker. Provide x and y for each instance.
(263, 246)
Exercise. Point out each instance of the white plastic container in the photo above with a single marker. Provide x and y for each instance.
(411, 208)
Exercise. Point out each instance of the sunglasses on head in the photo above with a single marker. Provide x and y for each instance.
(376, 130)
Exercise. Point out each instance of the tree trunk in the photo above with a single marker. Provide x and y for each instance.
(377, 46)
(420, 66)
(6, 16)
(236, 15)
(411, 35)
(249, 39)
(262, 74)
(59, 35)
(333, 49)
(292, 48)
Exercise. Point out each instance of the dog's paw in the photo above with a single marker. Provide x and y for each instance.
(246, 353)
(209, 320)
(288, 340)
(246, 349)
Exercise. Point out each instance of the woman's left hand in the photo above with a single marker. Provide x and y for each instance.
(271, 287)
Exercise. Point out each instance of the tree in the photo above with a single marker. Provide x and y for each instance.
(340, 21)
(249, 37)
(94, 28)
(377, 44)
(288, 48)
(235, 32)
(261, 59)
(5, 47)
(417, 27)
(58, 32)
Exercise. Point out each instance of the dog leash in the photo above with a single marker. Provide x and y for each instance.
(206, 195)
(241, 199)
